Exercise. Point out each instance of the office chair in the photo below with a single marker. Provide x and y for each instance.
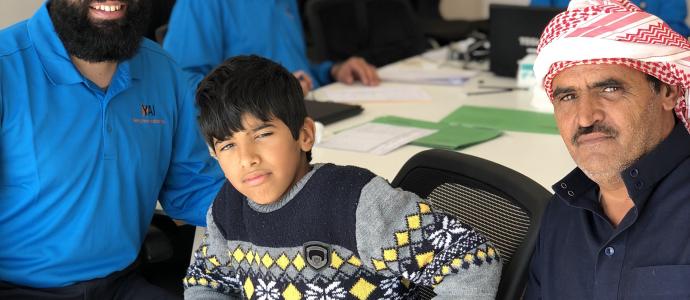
(380, 31)
(498, 202)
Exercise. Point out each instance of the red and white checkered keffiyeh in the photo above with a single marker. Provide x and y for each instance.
(614, 32)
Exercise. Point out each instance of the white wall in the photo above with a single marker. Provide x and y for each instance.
(13, 11)
(472, 9)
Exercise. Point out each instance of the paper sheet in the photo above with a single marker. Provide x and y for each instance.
(433, 75)
(375, 138)
(381, 93)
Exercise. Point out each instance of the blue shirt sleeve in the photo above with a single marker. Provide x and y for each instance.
(194, 177)
(195, 37)
(322, 72)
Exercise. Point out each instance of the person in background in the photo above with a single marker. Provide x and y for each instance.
(673, 12)
(617, 227)
(96, 124)
(202, 34)
(282, 227)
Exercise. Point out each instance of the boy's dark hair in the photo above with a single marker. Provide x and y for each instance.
(248, 84)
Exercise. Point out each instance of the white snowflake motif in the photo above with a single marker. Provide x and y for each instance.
(390, 286)
(442, 238)
(267, 291)
(332, 292)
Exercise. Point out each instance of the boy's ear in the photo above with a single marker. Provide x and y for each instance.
(306, 134)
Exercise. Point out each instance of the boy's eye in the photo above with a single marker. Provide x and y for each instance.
(264, 134)
(227, 146)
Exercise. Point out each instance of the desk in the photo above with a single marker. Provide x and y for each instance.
(541, 157)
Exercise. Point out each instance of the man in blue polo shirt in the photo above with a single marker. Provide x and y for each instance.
(96, 124)
(202, 34)
(618, 226)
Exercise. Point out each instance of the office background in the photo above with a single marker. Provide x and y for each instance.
(12, 11)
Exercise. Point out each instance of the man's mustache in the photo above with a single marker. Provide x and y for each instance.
(596, 127)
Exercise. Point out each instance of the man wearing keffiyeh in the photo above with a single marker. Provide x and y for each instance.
(619, 224)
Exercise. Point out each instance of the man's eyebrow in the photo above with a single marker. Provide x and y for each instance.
(562, 90)
(606, 82)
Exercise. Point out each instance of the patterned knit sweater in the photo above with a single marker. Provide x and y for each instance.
(339, 233)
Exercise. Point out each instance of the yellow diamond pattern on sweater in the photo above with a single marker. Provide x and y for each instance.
(362, 289)
(238, 255)
(424, 208)
(214, 261)
(283, 262)
(298, 262)
(250, 257)
(390, 255)
(414, 222)
(336, 260)
(402, 238)
(292, 293)
(267, 260)
(378, 264)
(354, 261)
(248, 288)
(424, 259)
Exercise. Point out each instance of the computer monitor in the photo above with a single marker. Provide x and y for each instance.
(513, 29)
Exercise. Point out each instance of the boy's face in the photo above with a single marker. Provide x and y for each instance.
(264, 161)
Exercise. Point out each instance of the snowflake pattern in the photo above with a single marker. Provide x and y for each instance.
(267, 291)
(443, 237)
(391, 286)
(332, 292)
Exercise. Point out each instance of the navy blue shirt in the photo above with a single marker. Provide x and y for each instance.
(581, 255)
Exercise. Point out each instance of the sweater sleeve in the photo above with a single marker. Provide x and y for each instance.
(209, 276)
(398, 234)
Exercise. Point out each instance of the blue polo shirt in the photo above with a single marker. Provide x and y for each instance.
(580, 255)
(81, 168)
(202, 34)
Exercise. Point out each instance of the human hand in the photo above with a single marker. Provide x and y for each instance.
(304, 80)
(355, 68)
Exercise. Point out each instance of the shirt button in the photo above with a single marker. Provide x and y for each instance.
(563, 185)
(571, 193)
(634, 173)
(639, 185)
(110, 128)
(609, 251)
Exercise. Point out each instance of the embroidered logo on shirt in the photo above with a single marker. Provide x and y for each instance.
(318, 254)
(147, 112)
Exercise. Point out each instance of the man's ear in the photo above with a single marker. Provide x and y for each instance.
(307, 134)
(669, 96)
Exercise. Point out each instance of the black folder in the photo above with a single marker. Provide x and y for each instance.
(329, 112)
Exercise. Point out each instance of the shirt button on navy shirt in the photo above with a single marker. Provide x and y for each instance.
(634, 173)
(609, 251)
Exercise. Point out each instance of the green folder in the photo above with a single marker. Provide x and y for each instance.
(446, 136)
(502, 119)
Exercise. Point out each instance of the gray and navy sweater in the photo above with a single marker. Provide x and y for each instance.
(339, 233)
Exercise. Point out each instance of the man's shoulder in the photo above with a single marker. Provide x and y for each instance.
(14, 39)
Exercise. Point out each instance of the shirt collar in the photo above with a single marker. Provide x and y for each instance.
(639, 179)
(54, 57)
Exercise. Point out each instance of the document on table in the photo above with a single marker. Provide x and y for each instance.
(502, 119)
(449, 137)
(381, 93)
(435, 75)
(375, 138)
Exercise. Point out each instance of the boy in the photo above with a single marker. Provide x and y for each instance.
(282, 228)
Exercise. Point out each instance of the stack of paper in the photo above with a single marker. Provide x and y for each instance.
(381, 93)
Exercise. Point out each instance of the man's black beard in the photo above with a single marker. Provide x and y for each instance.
(102, 41)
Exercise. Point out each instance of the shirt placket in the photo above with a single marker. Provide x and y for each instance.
(609, 266)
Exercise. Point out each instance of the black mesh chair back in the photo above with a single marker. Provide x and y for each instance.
(381, 31)
(498, 202)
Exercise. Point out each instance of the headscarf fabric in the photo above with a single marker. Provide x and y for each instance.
(614, 32)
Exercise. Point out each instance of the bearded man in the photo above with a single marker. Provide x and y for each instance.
(619, 224)
(96, 124)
